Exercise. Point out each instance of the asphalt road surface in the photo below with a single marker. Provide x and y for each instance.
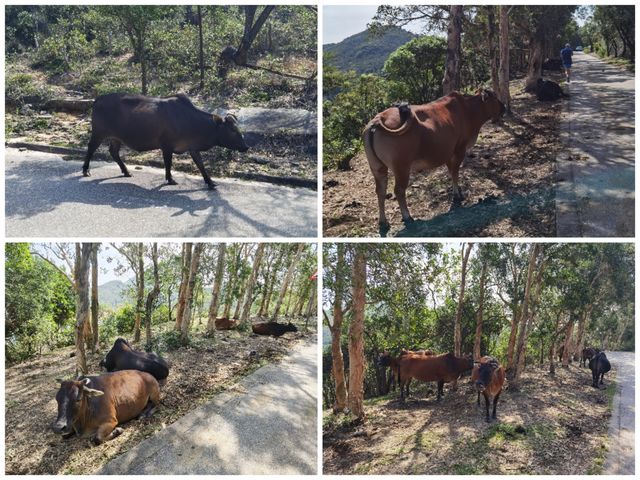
(266, 424)
(595, 192)
(48, 197)
(622, 430)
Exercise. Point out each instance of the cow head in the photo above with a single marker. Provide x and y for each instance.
(492, 106)
(71, 398)
(384, 359)
(228, 134)
(485, 374)
(290, 327)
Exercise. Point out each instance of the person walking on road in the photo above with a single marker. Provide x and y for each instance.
(566, 53)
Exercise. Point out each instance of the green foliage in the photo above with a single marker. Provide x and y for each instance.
(19, 88)
(66, 49)
(118, 322)
(415, 70)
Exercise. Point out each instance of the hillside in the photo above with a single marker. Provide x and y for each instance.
(366, 53)
(110, 293)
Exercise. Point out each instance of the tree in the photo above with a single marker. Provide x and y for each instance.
(187, 251)
(491, 47)
(153, 294)
(480, 316)
(285, 284)
(356, 336)
(94, 298)
(457, 339)
(134, 255)
(200, 47)
(185, 322)
(451, 80)
(503, 73)
(215, 294)
(81, 277)
(248, 296)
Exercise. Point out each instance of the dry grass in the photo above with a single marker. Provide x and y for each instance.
(196, 373)
(553, 426)
(507, 180)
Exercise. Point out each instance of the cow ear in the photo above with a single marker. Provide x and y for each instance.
(90, 392)
(484, 95)
(60, 380)
(216, 118)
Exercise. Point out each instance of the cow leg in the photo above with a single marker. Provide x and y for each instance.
(148, 410)
(381, 176)
(198, 159)
(114, 150)
(478, 398)
(402, 182)
(454, 170)
(486, 406)
(106, 431)
(167, 156)
(94, 143)
(440, 388)
(495, 404)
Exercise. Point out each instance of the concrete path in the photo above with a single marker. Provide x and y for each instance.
(595, 191)
(621, 456)
(49, 197)
(266, 424)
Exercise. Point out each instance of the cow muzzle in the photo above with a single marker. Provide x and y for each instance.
(480, 387)
(61, 427)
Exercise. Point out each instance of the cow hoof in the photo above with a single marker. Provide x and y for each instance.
(86, 173)
(488, 420)
(171, 181)
(408, 221)
(95, 440)
(126, 174)
(212, 186)
(384, 228)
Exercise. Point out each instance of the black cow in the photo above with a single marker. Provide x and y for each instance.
(547, 90)
(273, 328)
(599, 365)
(172, 124)
(587, 354)
(123, 357)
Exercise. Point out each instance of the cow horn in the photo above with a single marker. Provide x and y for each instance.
(231, 118)
(60, 380)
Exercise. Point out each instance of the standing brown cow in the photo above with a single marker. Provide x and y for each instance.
(412, 138)
(488, 378)
(95, 406)
(386, 360)
(431, 368)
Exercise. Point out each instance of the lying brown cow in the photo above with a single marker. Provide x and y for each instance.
(273, 328)
(488, 377)
(95, 406)
(224, 323)
(431, 368)
(412, 138)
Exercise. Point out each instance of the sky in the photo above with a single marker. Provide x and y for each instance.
(342, 21)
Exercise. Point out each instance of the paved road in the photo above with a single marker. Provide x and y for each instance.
(267, 424)
(595, 193)
(48, 197)
(621, 456)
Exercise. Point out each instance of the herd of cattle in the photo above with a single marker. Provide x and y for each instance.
(487, 375)
(94, 406)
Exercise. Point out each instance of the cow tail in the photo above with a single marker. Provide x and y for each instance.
(368, 134)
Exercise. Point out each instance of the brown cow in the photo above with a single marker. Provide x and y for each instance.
(386, 360)
(587, 354)
(224, 323)
(431, 368)
(412, 138)
(488, 377)
(95, 406)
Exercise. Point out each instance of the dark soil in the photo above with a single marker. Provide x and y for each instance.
(552, 425)
(507, 180)
(196, 373)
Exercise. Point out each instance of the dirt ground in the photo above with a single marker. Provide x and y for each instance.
(196, 373)
(553, 426)
(507, 180)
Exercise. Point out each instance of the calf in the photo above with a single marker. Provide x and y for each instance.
(95, 406)
(224, 323)
(172, 124)
(431, 368)
(547, 90)
(599, 365)
(587, 354)
(273, 328)
(488, 377)
(412, 138)
(123, 357)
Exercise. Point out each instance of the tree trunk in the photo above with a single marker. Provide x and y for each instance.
(493, 53)
(356, 334)
(215, 294)
(287, 279)
(457, 335)
(140, 296)
(503, 74)
(185, 324)
(536, 58)
(580, 337)
(233, 280)
(94, 298)
(337, 366)
(512, 337)
(476, 346)
(566, 353)
(313, 295)
(520, 351)
(200, 47)
(153, 294)
(81, 279)
(251, 283)
(187, 251)
(451, 79)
